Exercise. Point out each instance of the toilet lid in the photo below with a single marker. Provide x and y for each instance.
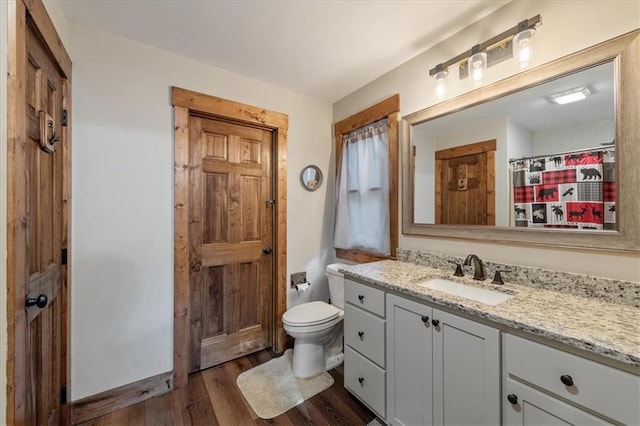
(310, 314)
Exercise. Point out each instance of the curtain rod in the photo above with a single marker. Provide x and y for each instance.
(608, 147)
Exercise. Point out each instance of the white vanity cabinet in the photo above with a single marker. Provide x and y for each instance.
(544, 385)
(441, 368)
(364, 345)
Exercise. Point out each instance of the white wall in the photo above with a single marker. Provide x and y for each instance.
(122, 290)
(425, 193)
(576, 136)
(3, 210)
(54, 9)
(519, 140)
(566, 27)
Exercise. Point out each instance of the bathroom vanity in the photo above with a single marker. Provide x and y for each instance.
(421, 356)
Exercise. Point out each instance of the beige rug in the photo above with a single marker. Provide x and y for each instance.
(271, 389)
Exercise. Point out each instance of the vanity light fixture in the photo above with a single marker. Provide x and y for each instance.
(572, 95)
(474, 63)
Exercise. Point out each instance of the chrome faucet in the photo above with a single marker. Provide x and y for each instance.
(478, 267)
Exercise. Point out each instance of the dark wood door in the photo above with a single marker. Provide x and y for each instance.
(44, 340)
(465, 182)
(231, 238)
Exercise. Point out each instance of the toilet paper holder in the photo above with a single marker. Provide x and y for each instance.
(298, 278)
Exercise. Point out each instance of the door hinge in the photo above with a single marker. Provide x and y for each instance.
(65, 118)
(63, 256)
(414, 150)
(270, 202)
(63, 395)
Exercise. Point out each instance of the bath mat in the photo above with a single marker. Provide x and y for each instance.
(271, 389)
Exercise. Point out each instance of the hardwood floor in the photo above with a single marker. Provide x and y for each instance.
(212, 398)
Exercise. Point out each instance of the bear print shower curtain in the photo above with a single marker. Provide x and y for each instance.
(574, 190)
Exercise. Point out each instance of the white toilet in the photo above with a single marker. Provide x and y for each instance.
(317, 329)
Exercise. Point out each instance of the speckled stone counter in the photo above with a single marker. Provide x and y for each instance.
(605, 289)
(608, 329)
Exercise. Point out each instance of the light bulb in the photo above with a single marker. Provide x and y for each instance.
(523, 47)
(477, 68)
(441, 84)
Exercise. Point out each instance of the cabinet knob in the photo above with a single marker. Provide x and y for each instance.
(435, 322)
(512, 398)
(361, 334)
(425, 318)
(360, 297)
(361, 380)
(566, 380)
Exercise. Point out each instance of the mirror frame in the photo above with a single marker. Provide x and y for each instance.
(624, 51)
(305, 184)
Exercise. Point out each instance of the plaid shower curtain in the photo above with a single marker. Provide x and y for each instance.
(575, 190)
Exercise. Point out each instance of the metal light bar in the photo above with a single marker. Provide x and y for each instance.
(528, 23)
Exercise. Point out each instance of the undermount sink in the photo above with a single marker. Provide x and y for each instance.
(488, 297)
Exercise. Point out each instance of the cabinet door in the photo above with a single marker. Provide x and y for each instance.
(466, 372)
(409, 352)
(535, 408)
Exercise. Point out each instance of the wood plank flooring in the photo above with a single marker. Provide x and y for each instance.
(212, 398)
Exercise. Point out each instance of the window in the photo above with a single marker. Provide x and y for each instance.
(366, 227)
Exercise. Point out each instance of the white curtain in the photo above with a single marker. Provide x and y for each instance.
(362, 190)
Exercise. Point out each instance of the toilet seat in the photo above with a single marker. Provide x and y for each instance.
(310, 314)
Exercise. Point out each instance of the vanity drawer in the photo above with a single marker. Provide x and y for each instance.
(365, 297)
(366, 380)
(365, 333)
(600, 388)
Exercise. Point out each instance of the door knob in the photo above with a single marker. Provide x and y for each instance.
(361, 334)
(40, 301)
(512, 398)
(425, 318)
(267, 250)
(435, 322)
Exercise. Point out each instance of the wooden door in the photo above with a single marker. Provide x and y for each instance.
(230, 234)
(37, 219)
(466, 371)
(409, 358)
(465, 185)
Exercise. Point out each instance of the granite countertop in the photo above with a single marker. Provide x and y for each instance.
(608, 329)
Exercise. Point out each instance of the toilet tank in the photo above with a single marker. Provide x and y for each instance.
(336, 284)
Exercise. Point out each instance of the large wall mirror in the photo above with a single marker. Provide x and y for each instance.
(507, 163)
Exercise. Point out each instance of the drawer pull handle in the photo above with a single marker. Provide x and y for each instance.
(566, 380)
(512, 398)
(361, 380)
(361, 334)
(361, 297)
(435, 322)
(425, 318)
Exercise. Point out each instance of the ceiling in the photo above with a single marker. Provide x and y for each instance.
(322, 48)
